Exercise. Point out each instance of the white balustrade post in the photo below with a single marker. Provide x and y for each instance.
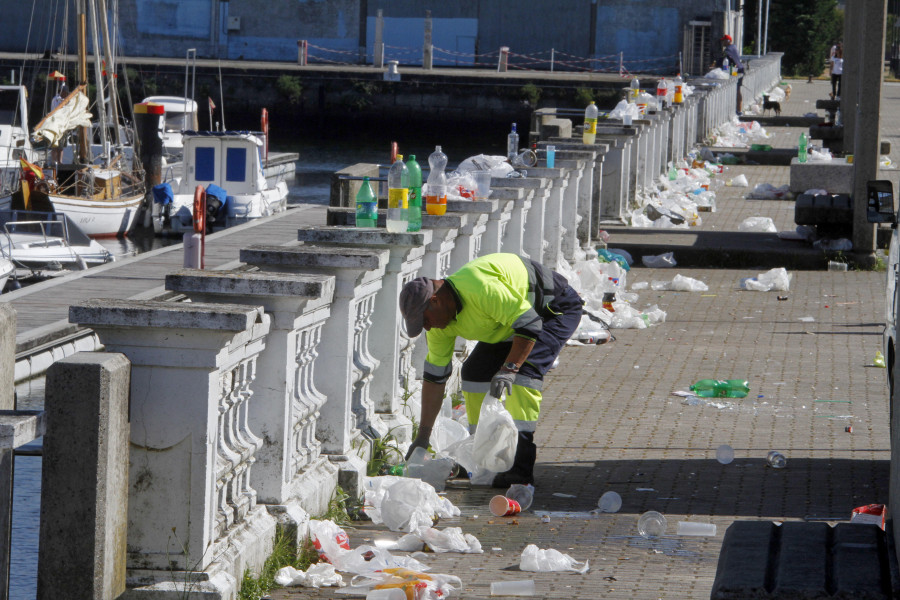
(498, 221)
(290, 470)
(554, 227)
(570, 218)
(537, 190)
(392, 380)
(519, 203)
(345, 364)
(468, 244)
(191, 506)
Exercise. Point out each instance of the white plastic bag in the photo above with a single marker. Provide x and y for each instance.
(758, 224)
(662, 261)
(545, 561)
(777, 279)
(680, 283)
(329, 539)
(451, 539)
(739, 181)
(317, 575)
(496, 437)
(445, 433)
(413, 504)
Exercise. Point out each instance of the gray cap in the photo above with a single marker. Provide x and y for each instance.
(414, 299)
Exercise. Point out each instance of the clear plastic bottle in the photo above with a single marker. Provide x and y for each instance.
(398, 197)
(436, 198)
(590, 123)
(415, 194)
(776, 459)
(725, 65)
(366, 206)
(635, 86)
(662, 92)
(512, 144)
(801, 147)
(678, 98)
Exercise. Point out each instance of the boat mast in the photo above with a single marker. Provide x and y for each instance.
(84, 135)
(111, 75)
(98, 77)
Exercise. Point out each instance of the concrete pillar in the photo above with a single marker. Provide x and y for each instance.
(428, 48)
(302, 52)
(503, 60)
(191, 508)
(290, 469)
(7, 466)
(84, 478)
(378, 48)
(852, 66)
(391, 380)
(868, 98)
(345, 359)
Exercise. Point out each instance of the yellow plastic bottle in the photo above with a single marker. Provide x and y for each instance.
(590, 124)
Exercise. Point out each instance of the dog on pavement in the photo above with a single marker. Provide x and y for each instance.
(771, 105)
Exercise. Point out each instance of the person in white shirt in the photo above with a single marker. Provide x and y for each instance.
(837, 69)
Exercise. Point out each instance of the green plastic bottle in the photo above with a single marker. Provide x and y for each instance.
(717, 388)
(801, 148)
(415, 194)
(366, 206)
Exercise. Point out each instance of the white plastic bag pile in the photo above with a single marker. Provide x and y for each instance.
(777, 279)
(680, 283)
(623, 109)
(758, 224)
(739, 134)
(549, 560)
(767, 191)
(404, 503)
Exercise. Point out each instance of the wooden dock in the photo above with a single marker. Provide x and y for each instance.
(43, 308)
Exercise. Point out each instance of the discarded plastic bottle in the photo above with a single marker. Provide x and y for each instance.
(725, 66)
(415, 194)
(397, 470)
(662, 92)
(879, 360)
(678, 98)
(590, 124)
(673, 173)
(635, 89)
(366, 206)
(398, 197)
(801, 147)
(436, 200)
(608, 299)
(717, 388)
(512, 144)
(776, 460)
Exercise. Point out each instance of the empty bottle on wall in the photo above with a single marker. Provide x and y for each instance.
(590, 123)
(512, 144)
(678, 98)
(635, 89)
(415, 194)
(436, 198)
(662, 92)
(398, 197)
(801, 147)
(366, 206)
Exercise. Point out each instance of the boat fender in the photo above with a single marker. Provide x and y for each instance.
(199, 209)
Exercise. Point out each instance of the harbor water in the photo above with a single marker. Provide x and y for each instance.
(319, 159)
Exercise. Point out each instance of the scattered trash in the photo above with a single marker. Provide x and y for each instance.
(849, 428)
(328, 538)
(767, 191)
(386, 594)
(501, 506)
(640, 285)
(317, 575)
(879, 360)
(776, 460)
(651, 524)
(838, 245)
(823, 155)
(739, 181)
(758, 224)
(725, 454)
(404, 504)
(776, 279)
(834, 265)
(781, 298)
(433, 471)
(450, 539)
(721, 388)
(412, 583)
(691, 528)
(870, 513)
(496, 437)
(545, 561)
(808, 319)
(513, 588)
(610, 502)
(680, 283)
(561, 495)
(662, 261)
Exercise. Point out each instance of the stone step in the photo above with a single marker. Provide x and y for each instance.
(805, 561)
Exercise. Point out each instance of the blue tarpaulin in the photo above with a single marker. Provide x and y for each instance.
(162, 194)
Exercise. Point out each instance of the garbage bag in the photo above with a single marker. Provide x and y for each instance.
(451, 539)
(317, 575)
(758, 224)
(777, 279)
(544, 561)
(496, 437)
(329, 539)
(445, 433)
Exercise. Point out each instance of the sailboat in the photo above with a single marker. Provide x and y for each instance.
(14, 141)
(101, 196)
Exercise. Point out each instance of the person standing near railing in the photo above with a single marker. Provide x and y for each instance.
(733, 56)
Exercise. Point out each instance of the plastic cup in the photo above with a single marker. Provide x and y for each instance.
(626, 119)
(523, 494)
(483, 181)
(524, 587)
(501, 506)
(776, 460)
(551, 156)
(691, 528)
(610, 502)
(725, 454)
(651, 524)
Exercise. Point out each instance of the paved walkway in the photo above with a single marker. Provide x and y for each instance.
(610, 422)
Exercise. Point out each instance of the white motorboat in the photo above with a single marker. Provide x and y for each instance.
(180, 115)
(7, 268)
(231, 161)
(47, 242)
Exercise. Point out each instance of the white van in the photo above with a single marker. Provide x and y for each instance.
(880, 209)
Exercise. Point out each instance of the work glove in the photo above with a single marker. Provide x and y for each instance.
(422, 441)
(502, 381)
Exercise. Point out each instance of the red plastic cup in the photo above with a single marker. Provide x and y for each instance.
(501, 506)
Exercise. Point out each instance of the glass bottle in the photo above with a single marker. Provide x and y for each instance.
(512, 144)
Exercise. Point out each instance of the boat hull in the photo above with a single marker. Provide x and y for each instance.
(100, 218)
